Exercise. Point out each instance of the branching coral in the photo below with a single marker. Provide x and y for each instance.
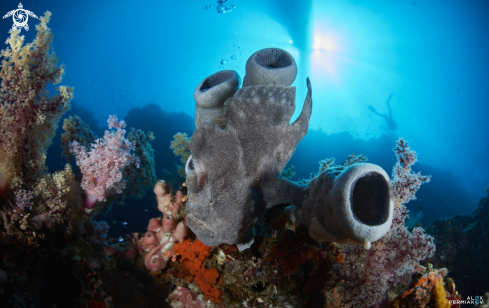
(75, 130)
(181, 148)
(28, 119)
(353, 159)
(102, 166)
(406, 183)
(289, 173)
(135, 151)
(44, 241)
(366, 275)
(57, 190)
(142, 178)
(28, 115)
(52, 200)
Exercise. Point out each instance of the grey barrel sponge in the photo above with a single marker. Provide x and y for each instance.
(270, 66)
(211, 94)
(349, 205)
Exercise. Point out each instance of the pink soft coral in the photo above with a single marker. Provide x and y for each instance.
(405, 183)
(102, 167)
(365, 276)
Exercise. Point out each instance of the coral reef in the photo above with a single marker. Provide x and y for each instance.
(183, 297)
(234, 173)
(40, 223)
(53, 255)
(330, 163)
(50, 253)
(463, 246)
(285, 267)
(482, 301)
(75, 130)
(162, 234)
(192, 258)
(164, 240)
(32, 200)
(28, 115)
(366, 275)
(427, 289)
(111, 169)
(139, 179)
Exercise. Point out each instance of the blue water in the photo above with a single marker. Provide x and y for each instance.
(426, 61)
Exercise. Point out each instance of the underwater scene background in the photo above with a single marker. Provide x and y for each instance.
(379, 71)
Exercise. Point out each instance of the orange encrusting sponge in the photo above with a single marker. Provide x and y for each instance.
(193, 256)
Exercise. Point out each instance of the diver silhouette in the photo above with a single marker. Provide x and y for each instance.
(388, 118)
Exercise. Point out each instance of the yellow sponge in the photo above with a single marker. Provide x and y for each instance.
(439, 296)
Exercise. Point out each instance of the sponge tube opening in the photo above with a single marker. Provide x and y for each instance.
(217, 79)
(273, 58)
(370, 199)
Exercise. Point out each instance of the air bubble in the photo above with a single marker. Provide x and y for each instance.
(224, 7)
